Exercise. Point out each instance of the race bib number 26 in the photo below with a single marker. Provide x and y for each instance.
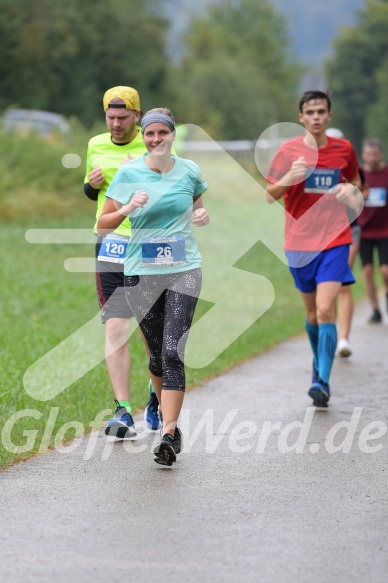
(163, 250)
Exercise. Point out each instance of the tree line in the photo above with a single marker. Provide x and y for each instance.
(357, 75)
(235, 76)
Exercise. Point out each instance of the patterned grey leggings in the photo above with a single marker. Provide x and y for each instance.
(164, 306)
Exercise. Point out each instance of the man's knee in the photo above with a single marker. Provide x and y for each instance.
(384, 271)
(117, 330)
(367, 269)
(325, 313)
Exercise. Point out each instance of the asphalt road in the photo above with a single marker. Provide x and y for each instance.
(267, 489)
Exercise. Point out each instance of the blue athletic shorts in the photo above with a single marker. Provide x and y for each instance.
(329, 265)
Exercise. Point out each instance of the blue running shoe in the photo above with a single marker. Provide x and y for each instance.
(320, 393)
(151, 413)
(121, 425)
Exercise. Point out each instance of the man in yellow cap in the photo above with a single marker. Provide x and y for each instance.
(106, 152)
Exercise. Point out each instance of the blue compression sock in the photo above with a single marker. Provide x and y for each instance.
(327, 343)
(312, 333)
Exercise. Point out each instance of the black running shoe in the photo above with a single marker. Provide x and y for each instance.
(178, 440)
(165, 453)
(375, 317)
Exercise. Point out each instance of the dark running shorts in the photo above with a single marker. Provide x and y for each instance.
(110, 289)
(367, 247)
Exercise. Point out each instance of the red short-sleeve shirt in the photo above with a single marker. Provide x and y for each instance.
(314, 220)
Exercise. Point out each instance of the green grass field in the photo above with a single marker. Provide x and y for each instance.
(43, 305)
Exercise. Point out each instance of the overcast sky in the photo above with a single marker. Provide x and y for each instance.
(312, 24)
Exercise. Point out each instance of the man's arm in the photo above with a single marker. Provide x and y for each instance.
(96, 179)
(296, 174)
(91, 192)
(349, 193)
(364, 186)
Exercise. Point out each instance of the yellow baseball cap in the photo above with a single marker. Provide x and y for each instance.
(129, 95)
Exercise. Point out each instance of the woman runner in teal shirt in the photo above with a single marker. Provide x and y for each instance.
(162, 195)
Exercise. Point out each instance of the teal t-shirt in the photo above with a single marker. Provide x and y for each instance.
(162, 240)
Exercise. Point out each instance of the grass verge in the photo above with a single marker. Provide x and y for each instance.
(43, 305)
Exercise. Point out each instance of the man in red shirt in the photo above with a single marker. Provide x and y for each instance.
(318, 177)
(374, 222)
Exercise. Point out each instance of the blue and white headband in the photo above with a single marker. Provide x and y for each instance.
(155, 117)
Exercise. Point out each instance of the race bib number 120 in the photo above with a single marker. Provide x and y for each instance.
(113, 248)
